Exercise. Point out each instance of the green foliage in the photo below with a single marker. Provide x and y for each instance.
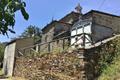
(112, 71)
(32, 31)
(1, 51)
(7, 14)
(109, 62)
(28, 32)
(107, 56)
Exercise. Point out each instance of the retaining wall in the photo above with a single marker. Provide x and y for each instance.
(80, 64)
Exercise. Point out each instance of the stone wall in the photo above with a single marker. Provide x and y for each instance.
(62, 25)
(96, 58)
(54, 66)
(48, 47)
(108, 21)
(48, 36)
(22, 43)
(100, 32)
(75, 65)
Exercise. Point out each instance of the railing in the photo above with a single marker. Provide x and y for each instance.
(62, 43)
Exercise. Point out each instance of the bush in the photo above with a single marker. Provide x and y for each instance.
(2, 48)
(109, 64)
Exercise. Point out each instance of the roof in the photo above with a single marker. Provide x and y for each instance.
(77, 14)
(53, 22)
(95, 11)
(49, 24)
(61, 20)
(14, 40)
(72, 13)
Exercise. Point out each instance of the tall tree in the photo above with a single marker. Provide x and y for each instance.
(32, 31)
(7, 14)
(29, 31)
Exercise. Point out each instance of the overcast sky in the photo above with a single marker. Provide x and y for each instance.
(41, 12)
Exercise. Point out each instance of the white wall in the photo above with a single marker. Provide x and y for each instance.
(9, 59)
(11, 52)
(98, 32)
(78, 30)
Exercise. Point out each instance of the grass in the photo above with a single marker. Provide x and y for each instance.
(112, 71)
(1, 72)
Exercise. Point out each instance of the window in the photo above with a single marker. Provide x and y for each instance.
(73, 29)
(79, 27)
(86, 24)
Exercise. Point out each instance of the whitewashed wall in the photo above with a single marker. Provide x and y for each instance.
(9, 59)
(97, 32)
(79, 30)
(11, 52)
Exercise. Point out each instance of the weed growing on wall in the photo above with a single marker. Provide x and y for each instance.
(109, 59)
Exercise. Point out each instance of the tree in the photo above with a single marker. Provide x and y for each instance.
(7, 14)
(29, 31)
(32, 31)
(2, 48)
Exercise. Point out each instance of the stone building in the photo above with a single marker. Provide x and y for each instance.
(56, 30)
(57, 27)
(101, 26)
(11, 51)
(104, 25)
(89, 33)
(61, 26)
(98, 24)
(104, 19)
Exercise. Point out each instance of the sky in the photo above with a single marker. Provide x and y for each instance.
(42, 12)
